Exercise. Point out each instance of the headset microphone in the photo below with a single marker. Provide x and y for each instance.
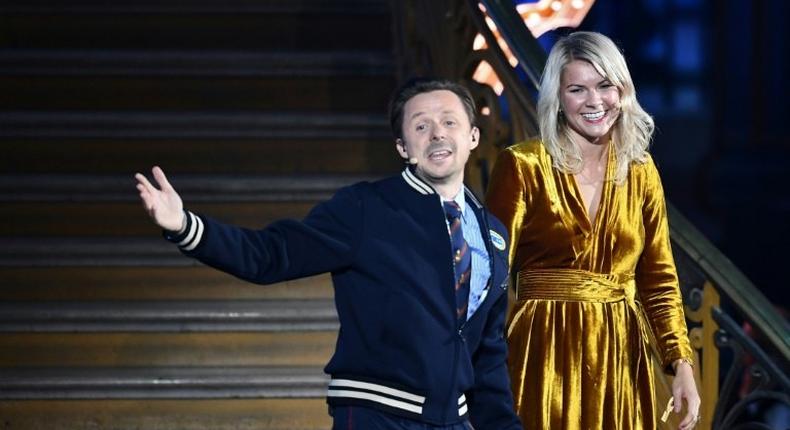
(409, 160)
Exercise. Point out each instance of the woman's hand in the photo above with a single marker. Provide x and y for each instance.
(684, 388)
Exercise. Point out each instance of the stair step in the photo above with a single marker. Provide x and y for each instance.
(136, 349)
(192, 125)
(193, 188)
(38, 205)
(197, 25)
(256, 143)
(163, 383)
(199, 93)
(168, 316)
(208, 414)
(200, 156)
(90, 252)
(191, 64)
(149, 283)
(120, 220)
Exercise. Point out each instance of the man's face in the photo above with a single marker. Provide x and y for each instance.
(437, 135)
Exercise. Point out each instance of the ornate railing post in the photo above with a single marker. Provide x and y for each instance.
(699, 309)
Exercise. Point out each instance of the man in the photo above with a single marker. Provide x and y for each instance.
(418, 266)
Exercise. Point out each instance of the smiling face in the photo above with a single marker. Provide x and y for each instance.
(437, 135)
(589, 102)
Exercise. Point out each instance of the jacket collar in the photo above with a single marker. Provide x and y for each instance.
(424, 188)
(415, 182)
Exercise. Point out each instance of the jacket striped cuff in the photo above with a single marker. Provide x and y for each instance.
(188, 239)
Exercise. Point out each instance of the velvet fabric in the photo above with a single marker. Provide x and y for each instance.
(593, 296)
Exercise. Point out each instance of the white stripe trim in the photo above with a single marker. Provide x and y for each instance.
(469, 194)
(416, 182)
(376, 387)
(191, 231)
(462, 410)
(198, 235)
(462, 399)
(416, 185)
(375, 398)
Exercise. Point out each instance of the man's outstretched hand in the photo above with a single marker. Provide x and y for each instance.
(163, 204)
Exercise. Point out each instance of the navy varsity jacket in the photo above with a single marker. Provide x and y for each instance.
(400, 347)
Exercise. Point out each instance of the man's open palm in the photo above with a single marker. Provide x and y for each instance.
(163, 204)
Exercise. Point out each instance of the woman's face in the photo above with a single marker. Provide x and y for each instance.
(589, 102)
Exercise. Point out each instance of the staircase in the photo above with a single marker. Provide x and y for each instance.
(257, 110)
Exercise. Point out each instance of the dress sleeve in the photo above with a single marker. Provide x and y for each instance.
(506, 196)
(656, 275)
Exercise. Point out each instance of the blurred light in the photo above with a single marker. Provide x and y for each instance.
(655, 49)
(539, 17)
(689, 4)
(490, 23)
(652, 99)
(533, 19)
(654, 6)
(687, 47)
(485, 110)
(485, 75)
(687, 99)
(479, 43)
(498, 87)
(546, 15)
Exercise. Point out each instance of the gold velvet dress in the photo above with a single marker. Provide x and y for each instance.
(593, 297)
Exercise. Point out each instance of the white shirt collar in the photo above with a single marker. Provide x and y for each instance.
(460, 199)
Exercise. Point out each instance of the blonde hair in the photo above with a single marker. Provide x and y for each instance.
(631, 132)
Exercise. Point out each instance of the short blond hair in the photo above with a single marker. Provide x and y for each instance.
(632, 131)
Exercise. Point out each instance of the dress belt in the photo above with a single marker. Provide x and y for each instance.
(575, 285)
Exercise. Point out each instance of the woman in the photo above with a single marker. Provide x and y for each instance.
(596, 281)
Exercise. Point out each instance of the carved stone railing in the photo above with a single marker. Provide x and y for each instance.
(738, 372)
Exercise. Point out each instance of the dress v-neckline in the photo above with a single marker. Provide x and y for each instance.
(592, 223)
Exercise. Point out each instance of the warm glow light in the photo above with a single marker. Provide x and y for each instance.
(485, 75)
(512, 59)
(491, 24)
(528, 7)
(546, 15)
(483, 71)
(533, 19)
(485, 111)
(479, 43)
(539, 17)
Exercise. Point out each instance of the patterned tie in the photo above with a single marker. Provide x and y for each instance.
(462, 259)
